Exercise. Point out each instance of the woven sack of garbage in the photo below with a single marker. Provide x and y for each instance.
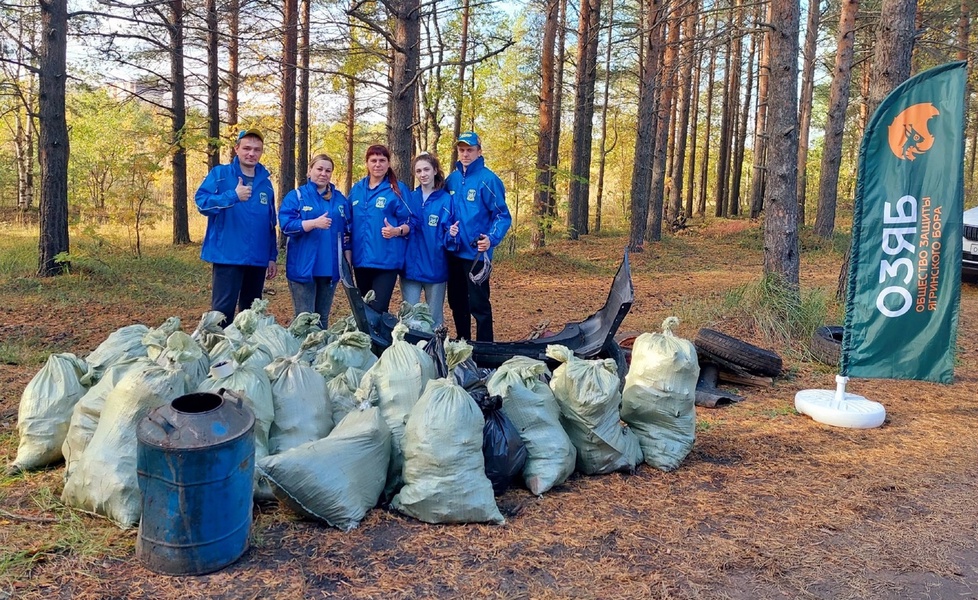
(45, 411)
(277, 340)
(252, 383)
(181, 349)
(306, 324)
(123, 343)
(336, 479)
(659, 399)
(417, 316)
(351, 349)
(342, 392)
(209, 331)
(444, 469)
(301, 406)
(588, 396)
(104, 480)
(394, 384)
(88, 410)
(530, 405)
(347, 324)
(247, 321)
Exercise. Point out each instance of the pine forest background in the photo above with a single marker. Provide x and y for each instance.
(599, 115)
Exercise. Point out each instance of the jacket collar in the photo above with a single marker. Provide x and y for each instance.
(261, 173)
(474, 166)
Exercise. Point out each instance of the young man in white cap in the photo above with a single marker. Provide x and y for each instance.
(481, 221)
(239, 202)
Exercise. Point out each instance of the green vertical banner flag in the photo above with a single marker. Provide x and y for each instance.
(905, 263)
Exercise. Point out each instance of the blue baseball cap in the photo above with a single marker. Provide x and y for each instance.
(469, 138)
(254, 132)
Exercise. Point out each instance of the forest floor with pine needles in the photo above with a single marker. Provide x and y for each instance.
(769, 504)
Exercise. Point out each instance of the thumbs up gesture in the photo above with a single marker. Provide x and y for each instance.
(243, 191)
(453, 229)
(388, 230)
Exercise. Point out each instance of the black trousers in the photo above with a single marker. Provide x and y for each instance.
(468, 300)
(381, 281)
(235, 285)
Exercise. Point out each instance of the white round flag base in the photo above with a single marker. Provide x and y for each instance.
(852, 411)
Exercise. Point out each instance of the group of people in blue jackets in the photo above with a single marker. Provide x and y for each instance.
(437, 239)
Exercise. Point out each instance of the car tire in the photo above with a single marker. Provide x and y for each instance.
(826, 346)
(752, 359)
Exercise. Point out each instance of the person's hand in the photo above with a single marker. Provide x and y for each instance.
(482, 244)
(272, 270)
(389, 231)
(243, 191)
(453, 229)
(321, 222)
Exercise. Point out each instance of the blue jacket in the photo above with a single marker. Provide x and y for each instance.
(426, 260)
(314, 253)
(479, 206)
(238, 233)
(369, 208)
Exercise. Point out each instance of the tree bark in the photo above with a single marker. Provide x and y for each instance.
(781, 206)
(404, 84)
(558, 111)
(736, 62)
(460, 96)
(893, 49)
(805, 103)
(667, 77)
(286, 163)
(697, 58)
(828, 183)
(760, 130)
(682, 127)
(740, 140)
(233, 77)
(544, 179)
(587, 58)
(53, 129)
(302, 133)
(603, 156)
(213, 88)
(723, 155)
(705, 166)
(178, 120)
(645, 131)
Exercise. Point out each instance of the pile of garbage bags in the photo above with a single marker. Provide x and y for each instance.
(338, 431)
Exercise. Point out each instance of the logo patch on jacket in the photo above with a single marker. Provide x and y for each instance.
(306, 208)
(263, 198)
(471, 196)
(381, 202)
(340, 208)
(432, 220)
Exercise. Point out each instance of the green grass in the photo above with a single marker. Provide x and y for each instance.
(26, 351)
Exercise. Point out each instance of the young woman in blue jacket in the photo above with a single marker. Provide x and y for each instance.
(380, 222)
(426, 260)
(314, 217)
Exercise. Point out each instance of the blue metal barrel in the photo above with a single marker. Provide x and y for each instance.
(196, 462)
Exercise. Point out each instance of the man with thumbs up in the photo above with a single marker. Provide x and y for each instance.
(239, 202)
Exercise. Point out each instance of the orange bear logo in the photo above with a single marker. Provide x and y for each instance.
(908, 135)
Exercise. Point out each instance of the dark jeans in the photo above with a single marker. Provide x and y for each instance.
(235, 285)
(381, 281)
(468, 300)
(315, 296)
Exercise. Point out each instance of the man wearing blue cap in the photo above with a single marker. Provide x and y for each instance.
(481, 221)
(239, 203)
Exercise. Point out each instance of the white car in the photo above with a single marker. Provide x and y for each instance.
(969, 263)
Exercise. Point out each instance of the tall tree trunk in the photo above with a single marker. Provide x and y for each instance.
(544, 178)
(805, 103)
(53, 129)
(740, 142)
(736, 63)
(723, 157)
(653, 232)
(302, 135)
(178, 110)
(705, 166)
(351, 125)
(286, 162)
(697, 59)
(460, 96)
(404, 83)
(964, 41)
(828, 183)
(558, 112)
(587, 59)
(213, 88)
(685, 92)
(234, 76)
(645, 130)
(781, 207)
(760, 129)
(603, 156)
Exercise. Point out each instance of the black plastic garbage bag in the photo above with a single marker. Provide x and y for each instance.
(435, 348)
(473, 380)
(503, 448)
